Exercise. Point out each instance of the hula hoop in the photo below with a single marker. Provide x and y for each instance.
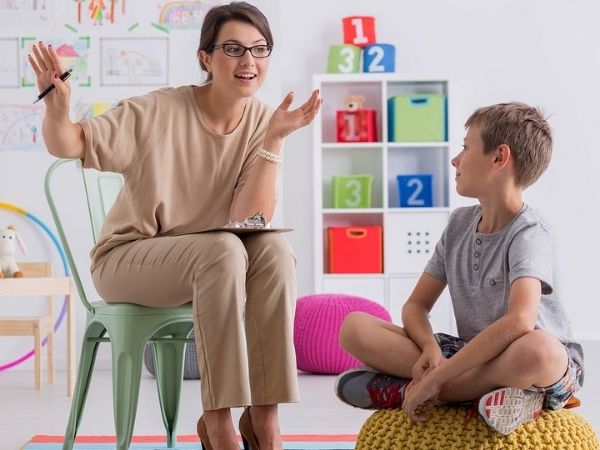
(56, 242)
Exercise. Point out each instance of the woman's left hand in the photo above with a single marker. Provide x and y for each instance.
(285, 121)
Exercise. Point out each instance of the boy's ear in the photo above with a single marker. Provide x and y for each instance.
(502, 156)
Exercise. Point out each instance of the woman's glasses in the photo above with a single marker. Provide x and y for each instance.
(237, 50)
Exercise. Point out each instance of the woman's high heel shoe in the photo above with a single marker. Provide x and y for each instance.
(247, 432)
(203, 434)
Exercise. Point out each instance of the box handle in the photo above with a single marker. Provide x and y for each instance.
(419, 101)
(356, 233)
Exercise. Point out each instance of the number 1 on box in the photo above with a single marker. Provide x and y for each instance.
(360, 37)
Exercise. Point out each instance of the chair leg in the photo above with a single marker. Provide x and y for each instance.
(50, 349)
(89, 350)
(127, 358)
(169, 360)
(38, 356)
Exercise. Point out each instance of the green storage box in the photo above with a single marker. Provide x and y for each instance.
(352, 191)
(417, 118)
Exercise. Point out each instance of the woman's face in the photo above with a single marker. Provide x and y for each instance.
(242, 75)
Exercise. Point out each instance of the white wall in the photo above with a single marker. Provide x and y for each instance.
(537, 51)
(540, 52)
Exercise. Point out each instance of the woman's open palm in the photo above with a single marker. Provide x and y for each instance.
(47, 68)
(285, 121)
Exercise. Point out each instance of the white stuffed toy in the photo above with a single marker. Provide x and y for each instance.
(8, 241)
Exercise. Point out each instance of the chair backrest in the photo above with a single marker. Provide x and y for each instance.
(101, 190)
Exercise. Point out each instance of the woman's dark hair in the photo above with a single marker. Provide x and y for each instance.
(217, 16)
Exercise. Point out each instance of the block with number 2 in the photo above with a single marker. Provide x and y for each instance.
(415, 190)
(379, 58)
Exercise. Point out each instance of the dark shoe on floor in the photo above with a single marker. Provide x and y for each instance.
(505, 409)
(364, 387)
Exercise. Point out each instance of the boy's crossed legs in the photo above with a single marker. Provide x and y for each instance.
(535, 359)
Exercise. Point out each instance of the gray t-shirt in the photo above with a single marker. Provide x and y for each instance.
(480, 269)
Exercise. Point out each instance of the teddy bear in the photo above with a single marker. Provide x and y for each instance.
(354, 102)
(354, 127)
(9, 239)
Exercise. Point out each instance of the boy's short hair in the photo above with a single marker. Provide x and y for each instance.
(524, 129)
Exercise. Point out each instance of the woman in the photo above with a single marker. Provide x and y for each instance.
(195, 158)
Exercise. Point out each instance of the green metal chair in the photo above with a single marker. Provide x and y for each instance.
(128, 327)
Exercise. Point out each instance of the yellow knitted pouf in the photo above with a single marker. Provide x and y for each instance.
(449, 428)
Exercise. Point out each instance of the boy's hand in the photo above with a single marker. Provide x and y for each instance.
(420, 399)
(430, 359)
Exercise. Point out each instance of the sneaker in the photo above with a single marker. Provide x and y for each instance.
(505, 409)
(364, 387)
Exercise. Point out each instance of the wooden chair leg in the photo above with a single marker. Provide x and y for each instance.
(50, 345)
(38, 356)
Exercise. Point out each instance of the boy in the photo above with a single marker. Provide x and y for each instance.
(514, 351)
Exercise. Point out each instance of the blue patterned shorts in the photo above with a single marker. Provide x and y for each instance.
(556, 394)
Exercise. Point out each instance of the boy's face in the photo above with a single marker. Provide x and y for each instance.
(473, 167)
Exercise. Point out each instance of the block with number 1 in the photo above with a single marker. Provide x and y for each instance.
(359, 30)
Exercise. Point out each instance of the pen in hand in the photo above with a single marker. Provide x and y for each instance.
(46, 91)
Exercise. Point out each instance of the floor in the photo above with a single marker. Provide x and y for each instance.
(25, 412)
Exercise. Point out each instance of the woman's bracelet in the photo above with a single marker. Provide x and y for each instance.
(271, 157)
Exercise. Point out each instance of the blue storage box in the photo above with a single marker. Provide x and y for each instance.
(415, 190)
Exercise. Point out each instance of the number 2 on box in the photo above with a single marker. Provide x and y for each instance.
(414, 199)
(375, 65)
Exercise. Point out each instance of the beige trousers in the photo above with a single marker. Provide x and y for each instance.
(243, 291)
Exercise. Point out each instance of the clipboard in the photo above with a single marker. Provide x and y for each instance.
(249, 230)
(252, 224)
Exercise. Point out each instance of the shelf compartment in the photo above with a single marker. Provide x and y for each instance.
(336, 93)
(410, 240)
(347, 220)
(352, 161)
(419, 160)
(371, 287)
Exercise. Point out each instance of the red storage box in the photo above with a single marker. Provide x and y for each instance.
(356, 126)
(355, 249)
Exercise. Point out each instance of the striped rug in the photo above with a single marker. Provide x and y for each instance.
(291, 442)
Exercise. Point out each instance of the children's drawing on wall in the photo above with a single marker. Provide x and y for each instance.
(85, 110)
(92, 15)
(182, 14)
(15, 13)
(134, 61)
(73, 54)
(9, 63)
(21, 127)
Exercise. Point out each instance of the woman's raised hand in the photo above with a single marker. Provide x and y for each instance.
(285, 121)
(48, 68)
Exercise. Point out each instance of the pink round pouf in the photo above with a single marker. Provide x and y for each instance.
(317, 326)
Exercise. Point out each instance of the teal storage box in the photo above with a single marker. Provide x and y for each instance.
(352, 191)
(417, 118)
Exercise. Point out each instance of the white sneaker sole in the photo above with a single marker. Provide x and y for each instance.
(506, 409)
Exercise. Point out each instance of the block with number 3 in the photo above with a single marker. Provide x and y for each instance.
(343, 59)
(379, 58)
(359, 30)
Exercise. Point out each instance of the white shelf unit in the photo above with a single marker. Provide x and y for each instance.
(409, 234)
